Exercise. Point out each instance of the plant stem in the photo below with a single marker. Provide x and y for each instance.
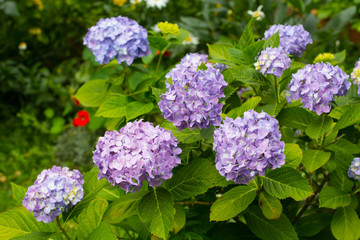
(61, 228)
(334, 141)
(159, 60)
(276, 90)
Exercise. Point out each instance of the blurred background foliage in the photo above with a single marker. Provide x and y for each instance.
(43, 62)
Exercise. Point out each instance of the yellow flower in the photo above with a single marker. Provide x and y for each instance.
(22, 46)
(38, 3)
(35, 31)
(324, 57)
(119, 3)
(168, 28)
(218, 5)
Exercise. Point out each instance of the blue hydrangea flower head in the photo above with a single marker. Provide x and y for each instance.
(354, 169)
(355, 75)
(293, 39)
(192, 100)
(248, 146)
(117, 37)
(272, 61)
(317, 85)
(138, 152)
(55, 190)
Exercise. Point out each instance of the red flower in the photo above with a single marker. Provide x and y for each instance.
(82, 119)
(167, 53)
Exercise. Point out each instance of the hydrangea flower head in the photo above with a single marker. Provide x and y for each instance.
(192, 100)
(272, 61)
(355, 75)
(354, 169)
(55, 190)
(248, 146)
(293, 39)
(138, 152)
(168, 28)
(156, 3)
(117, 37)
(317, 86)
(324, 57)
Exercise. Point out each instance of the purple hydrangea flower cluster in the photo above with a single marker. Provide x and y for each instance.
(355, 75)
(220, 66)
(117, 37)
(248, 146)
(293, 39)
(272, 61)
(317, 85)
(192, 100)
(55, 190)
(354, 169)
(139, 152)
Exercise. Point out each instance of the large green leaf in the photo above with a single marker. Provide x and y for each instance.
(273, 109)
(298, 4)
(253, 50)
(314, 159)
(156, 209)
(273, 41)
(331, 197)
(247, 37)
(191, 180)
(240, 57)
(90, 218)
(320, 126)
(286, 182)
(270, 206)
(350, 117)
(18, 192)
(220, 52)
(92, 93)
(232, 203)
(113, 107)
(179, 218)
(341, 181)
(339, 111)
(339, 21)
(266, 229)
(135, 109)
(185, 136)
(344, 145)
(244, 74)
(248, 105)
(102, 232)
(345, 224)
(311, 225)
(295, 117)
(293, 155)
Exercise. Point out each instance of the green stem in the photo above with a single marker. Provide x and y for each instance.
(159, 60)
(61, 228)
(276, 90)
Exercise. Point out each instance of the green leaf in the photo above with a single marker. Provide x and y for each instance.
(102, 232)
(253, 50)
(345, 224)
(90, 218)
(340, 20)
(92, 93)
(266, 229)
(298, 4)
(247, 37)
(331, 197)
(314, 159)
(232, 203)
(271, 207)
(295, 117)
(207, 134)
(126, 206)
(340, 180)
(110, 193)
(240, 57)
(320, 126)
(38, 236)
(344, 145)
(273, 109)
(185, 136)
(248, 105)
(191, 180)
(19, 221)
(340, 110)
(18, 192)
(157, 92)
(286, 182)
(244, 74)
(114, 107)
(156, 209)
(158, 42)
(179, 218)
(220, 52)
(135, 109)
(350, 117)
(273, 41)
(311, 225)
(293, 155)
(340, 56)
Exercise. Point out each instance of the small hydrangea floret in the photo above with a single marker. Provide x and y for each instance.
(55, 190)
(355, 75)
(354, 169)
(293, 39)
(248, 146)
(272, 61)
(192, 100)
(317, 85)
(117, 37)
(138, 152)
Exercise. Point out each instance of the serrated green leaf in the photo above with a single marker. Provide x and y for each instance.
(156, 209)
(220, 52)
(110, 193)
(207, 134)
(286, 182)
(295, 117)
(311, 225)
(350, 117)
(92, 93)
(232, 203)
(185, 136)
(38, 236)
(90, 218)
(114, 107)
(247, 37)
(314, 159)
(102, 232)
(136, 109)
(340, 56)
(266, 229)
(345, 224)
(179, 218)
(240, 57)
(18, 192)
(344, 145)
(271, 207)
(340, 180)
(244, 74)
(320, 126)
(340, 110)
(248, 105)
(293, 155)
(273, 109)
(273, 41)
(331, 197)
(253, 50)
(191, 180)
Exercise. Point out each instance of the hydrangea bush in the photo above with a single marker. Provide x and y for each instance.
(277, 161)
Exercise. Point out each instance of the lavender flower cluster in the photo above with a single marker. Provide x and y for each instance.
(192, 100)
(355, 75)
(117, 37)
(293, 39)
(139, 152)
(248, 146)
(317, 85)
(55, 190)
(354, 169)
(272, 61)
